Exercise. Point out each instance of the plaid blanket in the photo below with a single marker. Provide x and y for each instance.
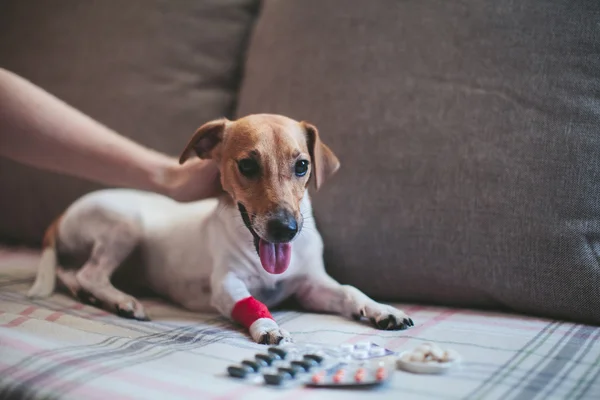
(61, 349)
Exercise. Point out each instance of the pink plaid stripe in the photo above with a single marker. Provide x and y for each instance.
(24, 315)
(19, 320)
(152, 382)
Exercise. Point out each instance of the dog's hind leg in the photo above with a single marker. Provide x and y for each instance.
(68, 279)
(109, 250)
(321, 293)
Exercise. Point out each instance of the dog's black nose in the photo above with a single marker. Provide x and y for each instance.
(282, 228)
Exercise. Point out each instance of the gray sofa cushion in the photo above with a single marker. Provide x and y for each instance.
(151, 69)
(469, 138)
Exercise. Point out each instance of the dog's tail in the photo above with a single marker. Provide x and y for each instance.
(45, 280)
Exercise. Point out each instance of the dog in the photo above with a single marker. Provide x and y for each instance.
(238, 254)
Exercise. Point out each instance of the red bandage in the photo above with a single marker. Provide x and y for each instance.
(248, 310)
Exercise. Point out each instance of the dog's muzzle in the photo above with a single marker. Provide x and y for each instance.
(275, 250)
(282, 227)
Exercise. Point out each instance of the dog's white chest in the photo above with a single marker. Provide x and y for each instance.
(178, 249)
(184, 246)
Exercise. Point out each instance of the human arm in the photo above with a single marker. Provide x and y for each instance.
(39, 130)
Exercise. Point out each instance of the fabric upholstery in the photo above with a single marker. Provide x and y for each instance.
(61, 349)
(468, 134)
(153, 70)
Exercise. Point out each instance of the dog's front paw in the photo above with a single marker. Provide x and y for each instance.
(274, 336)
(131, 308)
(266, 331)
(385, 317)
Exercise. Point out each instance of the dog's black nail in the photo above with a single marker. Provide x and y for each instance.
(124, 313)
(410, 322)
(263, 339)
(383, 324)
(404, 324)
(362, 312)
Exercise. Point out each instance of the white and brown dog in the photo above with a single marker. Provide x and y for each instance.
(239, 254)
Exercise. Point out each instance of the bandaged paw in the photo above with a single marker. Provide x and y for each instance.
(266, 331)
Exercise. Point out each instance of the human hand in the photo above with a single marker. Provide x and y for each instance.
(194, 180)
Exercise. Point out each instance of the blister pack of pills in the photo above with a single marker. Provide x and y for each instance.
(362, 364)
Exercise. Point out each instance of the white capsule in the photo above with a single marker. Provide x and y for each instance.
(361, 354)
(377, 351)
(362, 345)
(347, 348)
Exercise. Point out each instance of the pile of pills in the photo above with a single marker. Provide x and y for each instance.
(429, 352)
(362, 364)
(428, 358)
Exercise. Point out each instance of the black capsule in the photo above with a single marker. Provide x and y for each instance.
(305, 365)
(237, 372)
(265, 358)
(279, 352)
(273, 379)
(310, 362)
(261, 363)
(314, 357)
(252, 364)
(290, 371)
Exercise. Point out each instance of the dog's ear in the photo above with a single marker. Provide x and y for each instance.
(204, 140)
(324, 162)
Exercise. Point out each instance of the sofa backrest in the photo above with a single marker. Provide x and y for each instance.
(152, 70)
(469, 139)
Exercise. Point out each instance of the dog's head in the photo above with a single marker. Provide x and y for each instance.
(266, 162)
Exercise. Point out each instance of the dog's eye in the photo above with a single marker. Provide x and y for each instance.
(301, 167)
(248, 167)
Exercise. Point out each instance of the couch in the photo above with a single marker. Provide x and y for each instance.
(468, 137)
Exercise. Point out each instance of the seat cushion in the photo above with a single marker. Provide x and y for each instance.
(468, 135)
(153, 70)
(59, 348)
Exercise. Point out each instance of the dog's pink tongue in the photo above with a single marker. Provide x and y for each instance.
(275, 258)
